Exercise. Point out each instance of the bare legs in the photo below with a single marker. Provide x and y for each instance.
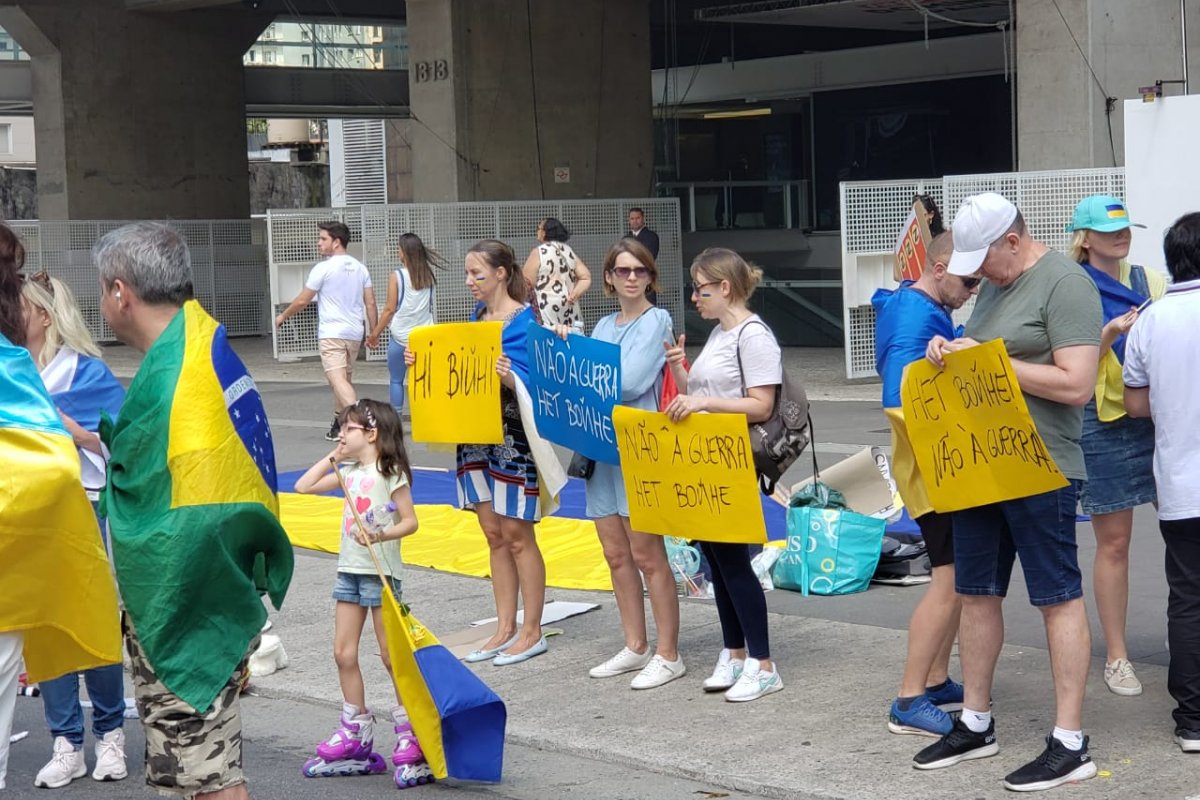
(982, 635)
(517, 565)
(1110, 577)
(343, 390)
(1070, 644)
(628, 553)
(348, 623)
(931, 634)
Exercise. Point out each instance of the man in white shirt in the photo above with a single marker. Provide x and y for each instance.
(345, 303)
(1162, 376)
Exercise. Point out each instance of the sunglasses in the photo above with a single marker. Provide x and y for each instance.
(697, 287)
(624, 272)
(970, 283)
(42, 279)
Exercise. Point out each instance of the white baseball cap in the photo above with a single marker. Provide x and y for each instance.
(981, 220)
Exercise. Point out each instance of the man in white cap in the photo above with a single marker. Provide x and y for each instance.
(1047, 311)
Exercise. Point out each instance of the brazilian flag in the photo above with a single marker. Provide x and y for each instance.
(192, 506)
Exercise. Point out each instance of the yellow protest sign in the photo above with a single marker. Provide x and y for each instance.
(693, 479)
(453, 388)
(970, 429)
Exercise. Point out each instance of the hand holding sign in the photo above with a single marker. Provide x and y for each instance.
(454, 383)
(693, 479)
(575, 384)
(971, 432)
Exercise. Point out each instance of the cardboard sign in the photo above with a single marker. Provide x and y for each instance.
(912, 244)
(694, 479)
(574, 386)
(453, 388)
(971, 431)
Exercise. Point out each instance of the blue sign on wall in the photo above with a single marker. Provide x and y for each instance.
(575, 385)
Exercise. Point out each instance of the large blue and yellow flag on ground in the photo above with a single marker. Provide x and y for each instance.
(458, 720)
(57, 587)
(192, 507)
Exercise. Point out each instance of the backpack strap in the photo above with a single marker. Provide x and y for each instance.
(738, 350)
(1138, 281)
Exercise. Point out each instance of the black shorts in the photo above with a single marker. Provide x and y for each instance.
(938, 533)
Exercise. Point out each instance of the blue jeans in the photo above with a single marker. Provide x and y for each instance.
(105, 686)
(397, 369)
(64, 716)
(1039, 529)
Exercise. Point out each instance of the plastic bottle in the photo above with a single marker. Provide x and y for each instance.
(380, 516)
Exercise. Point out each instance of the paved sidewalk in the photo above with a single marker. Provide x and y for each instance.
(824, 736)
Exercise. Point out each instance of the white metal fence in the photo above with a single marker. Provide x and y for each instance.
(451, 229)
(874, 211)
(229, 266)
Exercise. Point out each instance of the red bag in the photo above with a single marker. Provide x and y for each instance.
(669, 388)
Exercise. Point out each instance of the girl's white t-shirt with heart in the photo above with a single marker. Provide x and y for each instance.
(370, 492)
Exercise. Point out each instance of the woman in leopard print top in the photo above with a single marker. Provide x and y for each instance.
(558, 276)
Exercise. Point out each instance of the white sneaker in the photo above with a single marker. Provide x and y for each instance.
(66, 765)
(754, 683)
(658, 672)
(110, 757)
(726, 673)
(1121, 679)
(622, 662)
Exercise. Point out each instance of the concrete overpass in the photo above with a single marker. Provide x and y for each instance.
(271, 92)
(139, 105)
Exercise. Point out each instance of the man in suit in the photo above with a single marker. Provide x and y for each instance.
(639, 231)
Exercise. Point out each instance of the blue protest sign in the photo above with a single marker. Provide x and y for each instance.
(575, 385)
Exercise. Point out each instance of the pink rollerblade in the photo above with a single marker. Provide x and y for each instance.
(348, 751)
(411, 767)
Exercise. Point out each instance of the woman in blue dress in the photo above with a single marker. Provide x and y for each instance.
(641, 329)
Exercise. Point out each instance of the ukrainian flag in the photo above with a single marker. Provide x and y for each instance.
(58, 589)
(1116, 211)
(458, 720)
(192, 508)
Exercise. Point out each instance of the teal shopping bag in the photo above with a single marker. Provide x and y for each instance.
(830, 549)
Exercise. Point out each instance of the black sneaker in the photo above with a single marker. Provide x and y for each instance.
(960, 744)
(335, 431)
(1188, 739)
(1054, 767)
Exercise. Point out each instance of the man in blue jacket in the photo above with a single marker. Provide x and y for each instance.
(905, 320)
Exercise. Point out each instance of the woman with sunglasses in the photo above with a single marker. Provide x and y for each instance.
(1118, 450)
(737, 372)
(83, 388)
(641, 330)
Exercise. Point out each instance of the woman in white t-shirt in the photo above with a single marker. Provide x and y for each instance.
(409, 304)
(722, 283)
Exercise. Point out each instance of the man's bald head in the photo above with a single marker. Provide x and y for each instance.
(939, 249)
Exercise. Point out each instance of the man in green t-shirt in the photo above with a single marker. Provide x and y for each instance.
(1047, 311)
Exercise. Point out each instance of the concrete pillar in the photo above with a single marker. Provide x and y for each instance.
(1061, 107)
(529, 99)
(138, 115)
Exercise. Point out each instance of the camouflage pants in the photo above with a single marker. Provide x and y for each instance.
(187, 753)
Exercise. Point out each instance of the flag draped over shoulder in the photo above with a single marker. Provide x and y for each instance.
(57, 588)
(458, 720)
(191, 504)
